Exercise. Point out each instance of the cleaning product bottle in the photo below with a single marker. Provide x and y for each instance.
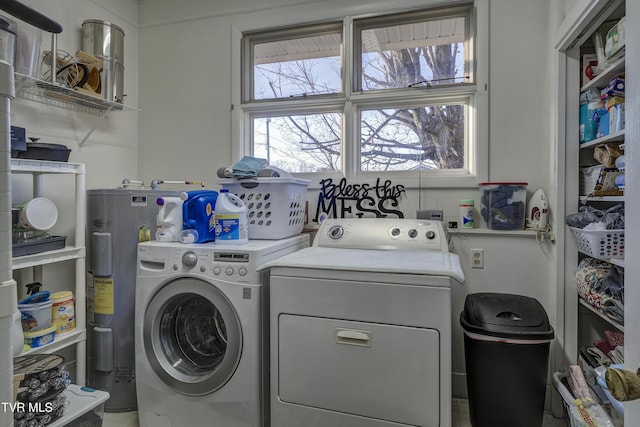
(231, 219)
(198, 216)
(169, 222)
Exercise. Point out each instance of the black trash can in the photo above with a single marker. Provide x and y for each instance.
(506, 345)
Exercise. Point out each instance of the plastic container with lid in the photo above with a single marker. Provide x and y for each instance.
(39, 214)
(63, 315)
(503, 204)
(36, 311)
(40, 338)
(506, 342)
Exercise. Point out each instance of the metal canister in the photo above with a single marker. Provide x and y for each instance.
(105, 40)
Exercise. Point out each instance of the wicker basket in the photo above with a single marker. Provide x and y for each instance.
(276, 207)
(600, 244)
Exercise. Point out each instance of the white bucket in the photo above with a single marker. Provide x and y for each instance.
(36, 316)
(232, 226)
(169, 221)
(39, 214)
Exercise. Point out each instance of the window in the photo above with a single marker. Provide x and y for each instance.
(394, 94)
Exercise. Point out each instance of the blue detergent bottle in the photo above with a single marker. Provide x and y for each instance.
(198, 216)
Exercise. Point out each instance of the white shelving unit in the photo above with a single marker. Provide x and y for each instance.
(76, 253)
(591, 323)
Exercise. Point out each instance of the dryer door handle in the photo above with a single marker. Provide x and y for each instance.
(353, 337)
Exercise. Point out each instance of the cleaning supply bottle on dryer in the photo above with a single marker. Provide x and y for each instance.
(169, 222)
(231, 219)
(198, 216)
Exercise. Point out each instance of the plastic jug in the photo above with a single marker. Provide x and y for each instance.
(169, 223)
(232, 226)
(198, 216)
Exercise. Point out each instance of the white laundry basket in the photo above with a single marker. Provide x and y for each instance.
(600, 244)
(276, 207)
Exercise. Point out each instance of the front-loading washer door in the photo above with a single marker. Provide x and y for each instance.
(192, 336)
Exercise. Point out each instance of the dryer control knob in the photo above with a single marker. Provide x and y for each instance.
(242, 271)
(229, 271)
(431, 234)
(217, 270)
(336, 232)
(189, 259)
(413, 233)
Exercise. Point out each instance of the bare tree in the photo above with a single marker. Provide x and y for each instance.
(391, 139)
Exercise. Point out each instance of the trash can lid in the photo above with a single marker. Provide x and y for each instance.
(505, 316)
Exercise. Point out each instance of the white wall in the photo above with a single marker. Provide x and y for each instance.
(111, 152)
(185, 123)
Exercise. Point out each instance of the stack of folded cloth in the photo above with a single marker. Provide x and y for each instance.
(601, 285)
(251, 167)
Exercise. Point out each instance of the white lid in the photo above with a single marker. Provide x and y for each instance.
(40, 213)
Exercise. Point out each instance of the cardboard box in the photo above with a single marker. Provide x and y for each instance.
(615, 39)
(614, 88)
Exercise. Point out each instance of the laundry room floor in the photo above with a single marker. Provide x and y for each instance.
(120, 419)
(460, 417)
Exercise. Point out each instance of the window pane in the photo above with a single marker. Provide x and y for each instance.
(404, 55)
(299, 143)
(297, 67)
(424, 137)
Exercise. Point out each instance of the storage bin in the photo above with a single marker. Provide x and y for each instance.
(573, 416)
(276, 207)
(506, 342)
(600, 244)
(503, 204)
(81, 398)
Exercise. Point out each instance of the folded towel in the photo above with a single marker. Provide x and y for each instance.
(247, 167)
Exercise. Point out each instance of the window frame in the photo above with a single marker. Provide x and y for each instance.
(350, 102)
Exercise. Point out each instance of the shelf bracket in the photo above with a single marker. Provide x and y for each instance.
(96, 124)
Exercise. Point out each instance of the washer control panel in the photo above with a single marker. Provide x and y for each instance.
(382, 233)
(230, 266)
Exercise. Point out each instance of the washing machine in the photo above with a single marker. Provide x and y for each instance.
(200, 327)
(361, 326)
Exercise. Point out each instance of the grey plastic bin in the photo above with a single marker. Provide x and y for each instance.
(506, 343)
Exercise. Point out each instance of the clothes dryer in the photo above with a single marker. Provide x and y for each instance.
(361, 326)
(200, 332)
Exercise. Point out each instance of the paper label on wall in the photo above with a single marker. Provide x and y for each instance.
(103, 295)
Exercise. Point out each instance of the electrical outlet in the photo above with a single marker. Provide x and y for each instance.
(434, 215)
(477, 258)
